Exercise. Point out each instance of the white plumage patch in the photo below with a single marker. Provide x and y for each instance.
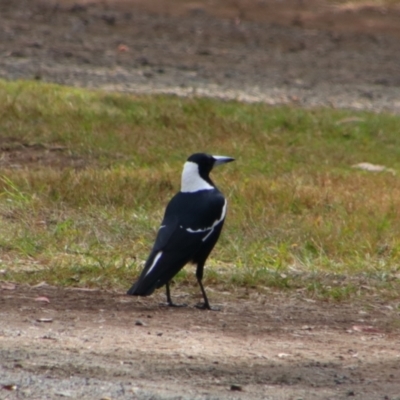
(191, 179)
(156, 258)
(211, 228)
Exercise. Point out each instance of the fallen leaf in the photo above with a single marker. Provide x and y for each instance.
(366, 329)
(41, 284)
(8, 286)
(43, 299)
(366, 166)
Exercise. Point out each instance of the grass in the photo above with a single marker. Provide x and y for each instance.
(300, 217)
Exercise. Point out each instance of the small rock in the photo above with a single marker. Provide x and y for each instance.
(109, 19)
(64, 393)
(307, 328)
(9, 387)
(44, 320)
(139, 322)
(143, 61)
(236, 387)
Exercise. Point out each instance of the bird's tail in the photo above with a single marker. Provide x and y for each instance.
(159, 270)
(147, 282)
(142, 288)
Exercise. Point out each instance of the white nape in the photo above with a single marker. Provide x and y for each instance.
(191, 179)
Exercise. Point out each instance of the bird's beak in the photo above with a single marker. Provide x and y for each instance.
(219, 160)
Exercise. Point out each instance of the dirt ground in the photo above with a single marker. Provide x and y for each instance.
(308, 53)
(67, 343)
(89, 344)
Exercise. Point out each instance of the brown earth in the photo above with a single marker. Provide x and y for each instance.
(17, 154)
(308, 53)
(70, 343)
(58, 342)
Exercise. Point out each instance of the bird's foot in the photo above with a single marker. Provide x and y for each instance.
(206, 306)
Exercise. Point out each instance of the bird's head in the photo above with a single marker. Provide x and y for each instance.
(195, 175)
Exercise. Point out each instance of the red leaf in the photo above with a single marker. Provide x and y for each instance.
(8, 286)
(43, 299)
(366, 329)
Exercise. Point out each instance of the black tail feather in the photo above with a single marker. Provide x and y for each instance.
(166, 268)
(141, 289)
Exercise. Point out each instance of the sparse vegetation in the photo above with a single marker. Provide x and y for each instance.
(300, 216)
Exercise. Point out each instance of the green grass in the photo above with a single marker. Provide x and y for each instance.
(300, 217)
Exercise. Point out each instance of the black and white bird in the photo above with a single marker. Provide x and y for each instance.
(190, 228)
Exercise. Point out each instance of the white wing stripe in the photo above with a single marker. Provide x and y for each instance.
(190, 230)
(156, 258)
(211, 228)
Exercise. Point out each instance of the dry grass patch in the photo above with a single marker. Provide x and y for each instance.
(300, 216)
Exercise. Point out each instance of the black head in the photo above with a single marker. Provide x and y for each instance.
(195, 174)
(207, 162)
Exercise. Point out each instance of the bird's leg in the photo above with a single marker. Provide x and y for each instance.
(206, 304)
(169, 300)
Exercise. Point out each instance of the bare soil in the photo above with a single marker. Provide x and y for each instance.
(70, 343)
(17, 154)
(309, 53)
(74, 343)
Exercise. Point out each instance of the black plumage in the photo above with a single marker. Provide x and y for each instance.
(190, 228)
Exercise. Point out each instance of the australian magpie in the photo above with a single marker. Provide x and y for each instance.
(190, 228)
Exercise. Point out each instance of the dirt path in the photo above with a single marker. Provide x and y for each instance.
(108, 345)
(309, 53)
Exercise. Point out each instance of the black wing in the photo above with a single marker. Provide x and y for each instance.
(192, 222)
